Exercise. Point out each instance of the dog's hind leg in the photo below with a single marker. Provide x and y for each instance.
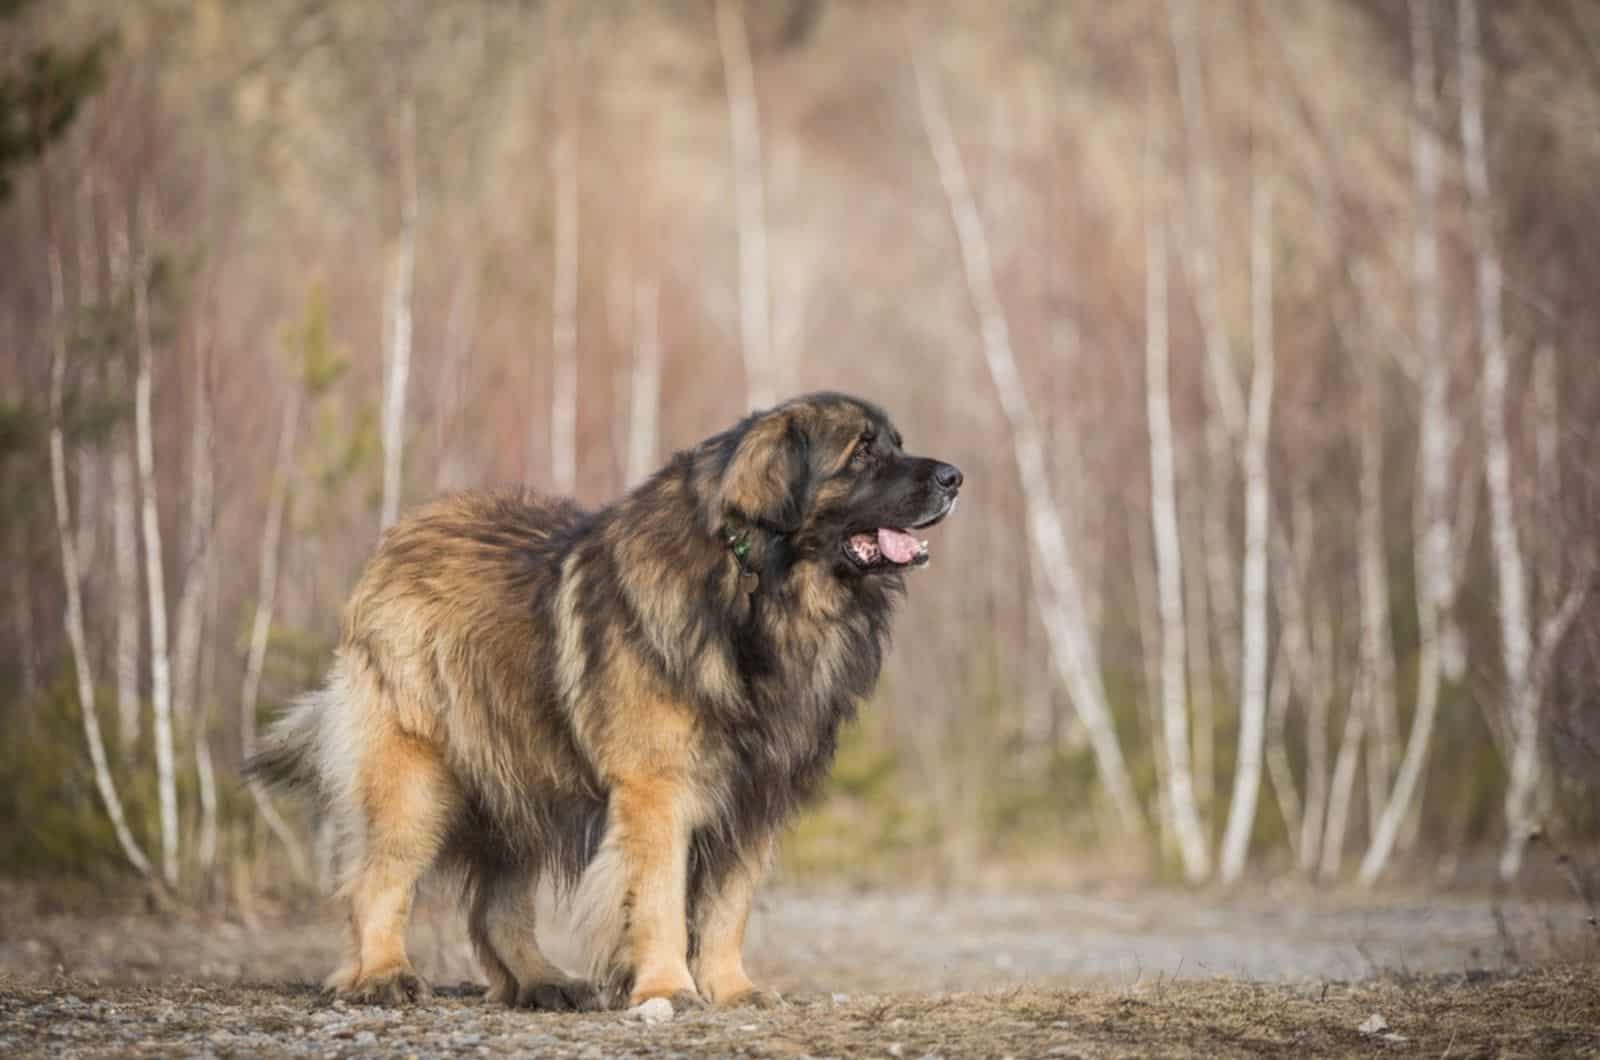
(504, 931)
(406, 800)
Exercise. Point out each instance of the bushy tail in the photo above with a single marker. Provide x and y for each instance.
(287, 759)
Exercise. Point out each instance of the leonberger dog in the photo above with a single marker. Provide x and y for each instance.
(629, 702)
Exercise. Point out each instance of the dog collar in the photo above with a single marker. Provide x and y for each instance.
(739, 544)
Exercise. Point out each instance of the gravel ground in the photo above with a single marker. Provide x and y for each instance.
(903, 974)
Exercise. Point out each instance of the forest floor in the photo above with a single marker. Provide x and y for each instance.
(866, 974)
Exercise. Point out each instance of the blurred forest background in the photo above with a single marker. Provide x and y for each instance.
(1265, 333)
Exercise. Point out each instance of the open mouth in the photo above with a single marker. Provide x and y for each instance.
(890, 546)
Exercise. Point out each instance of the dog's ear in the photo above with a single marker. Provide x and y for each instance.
(768, 477)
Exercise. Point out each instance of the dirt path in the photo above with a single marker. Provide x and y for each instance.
(880, 974)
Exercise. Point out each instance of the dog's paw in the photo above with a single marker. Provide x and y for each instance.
(559, 995)
(398, 986)
(753, 998)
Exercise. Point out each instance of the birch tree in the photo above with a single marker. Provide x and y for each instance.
(644, 391)
(1254, 653)
(261, 624)
(1377, 640)
(1061, 606)
(1525, 653)
(76, 641)
(398, 317)
(749, 199)
(1225, 428)
(124, 542)
(196, 566)
(205, 769)
(155, 575)
(1186, 824)
(1434, 547)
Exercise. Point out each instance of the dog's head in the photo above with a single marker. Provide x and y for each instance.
(828, 478)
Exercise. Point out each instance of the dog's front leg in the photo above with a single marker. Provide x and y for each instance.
(651, 825)
(722, 911)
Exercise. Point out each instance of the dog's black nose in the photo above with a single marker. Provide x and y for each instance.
(948, 476)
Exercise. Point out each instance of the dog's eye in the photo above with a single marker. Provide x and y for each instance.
(863, 451)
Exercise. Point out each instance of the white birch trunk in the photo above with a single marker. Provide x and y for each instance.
(1254, 653)
(125, 544)
(205, 771)
(1341, 790)
(1377, 641)
(397, 364)
(1305, 671)
(261, 626)
(564, 292)
(1434, 547)
(1062, 606)
(154, 572)
(749, 198)
(81, 665)
(267, 574)
(1144, 577)
(186, 655)
(89, 457)
(644, 391)
(1224, 431)
(1202, 685)
(1186, 825)
(1510, 579)
(1279, 770)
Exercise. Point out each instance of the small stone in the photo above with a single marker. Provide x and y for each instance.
(366, 1038)
(896, 1049)
(839, 999)
(1373, 1024)
(656, 1010)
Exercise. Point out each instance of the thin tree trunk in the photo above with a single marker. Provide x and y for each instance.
(1254, 653)
(267, 573)
(1342, 788)
(401, 280)
(261, 626)
(69, 570)
(1186, 825)
(1203, 691)
(1279, 771)
(644, 393)
(1225, 429)
(206, 846)
(1305, 671)
(564, 291)
(155, 576)
(89, 457)
(1148, 608)
(186, 656)
(1434, 547)
(125, 546)
(749, 195)
(1377, 642)
(1062, 608)
(1510, 579)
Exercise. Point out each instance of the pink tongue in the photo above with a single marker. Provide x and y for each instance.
(897, 545)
